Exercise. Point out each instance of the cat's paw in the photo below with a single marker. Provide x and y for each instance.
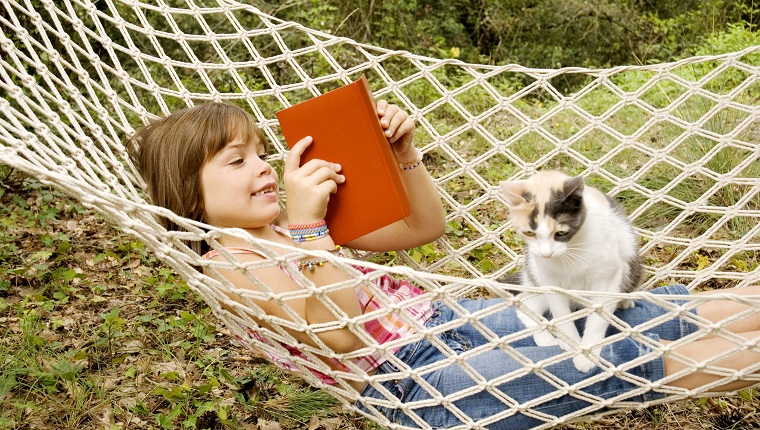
(583, 363)
(564, 345)
(544, 338)
(572, 346)
(626, 304)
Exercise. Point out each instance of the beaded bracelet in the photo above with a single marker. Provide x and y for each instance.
(411, 165)
(305, 232)
(311, 264)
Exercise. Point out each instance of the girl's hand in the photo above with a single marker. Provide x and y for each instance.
(308, 187)
(399, 130)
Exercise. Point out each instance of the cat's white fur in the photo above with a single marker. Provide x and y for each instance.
(600, 256)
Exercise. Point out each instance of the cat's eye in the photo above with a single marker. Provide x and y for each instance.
(560, 233)
(529, 233)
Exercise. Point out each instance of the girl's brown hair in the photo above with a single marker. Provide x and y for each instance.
(169, 153)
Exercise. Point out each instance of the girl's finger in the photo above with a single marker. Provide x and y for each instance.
(381, 106)
(324, 174)
(293, 160)
(405, 127)
(394, 127)
(387, 118)
(328, 187)
(316, 164)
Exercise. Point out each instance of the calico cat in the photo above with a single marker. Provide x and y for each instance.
(577, 238)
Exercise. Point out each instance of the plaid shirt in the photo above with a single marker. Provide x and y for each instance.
(388, 327)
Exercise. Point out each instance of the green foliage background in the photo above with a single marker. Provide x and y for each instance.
(533, 33)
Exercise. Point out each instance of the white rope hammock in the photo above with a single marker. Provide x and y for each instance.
(649, 135)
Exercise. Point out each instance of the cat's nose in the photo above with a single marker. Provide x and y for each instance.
(545, 250)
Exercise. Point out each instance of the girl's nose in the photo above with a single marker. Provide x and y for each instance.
(263, 167)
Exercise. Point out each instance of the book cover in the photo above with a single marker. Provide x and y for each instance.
(346, 130)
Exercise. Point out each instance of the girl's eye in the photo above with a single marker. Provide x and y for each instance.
(236, 162)
(529, 233)
(263, 157)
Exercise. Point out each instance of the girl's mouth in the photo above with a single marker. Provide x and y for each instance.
(266, 190)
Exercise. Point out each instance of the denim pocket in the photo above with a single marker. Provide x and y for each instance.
(456, 341)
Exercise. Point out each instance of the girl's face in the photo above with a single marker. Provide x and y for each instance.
(239, 187)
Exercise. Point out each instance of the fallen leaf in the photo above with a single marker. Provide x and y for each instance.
(268, 425)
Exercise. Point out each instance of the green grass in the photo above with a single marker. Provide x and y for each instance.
(97, 334)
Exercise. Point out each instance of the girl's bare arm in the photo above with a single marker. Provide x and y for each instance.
(312, 310)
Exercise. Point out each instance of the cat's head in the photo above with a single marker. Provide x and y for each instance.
(546, 210)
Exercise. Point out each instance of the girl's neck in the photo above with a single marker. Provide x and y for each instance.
(266, 232)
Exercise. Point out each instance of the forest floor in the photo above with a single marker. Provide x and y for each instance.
(95, 333)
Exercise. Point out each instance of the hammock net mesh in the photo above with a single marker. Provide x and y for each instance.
(674, 142)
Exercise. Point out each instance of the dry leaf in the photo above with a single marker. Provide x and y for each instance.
(268, 425)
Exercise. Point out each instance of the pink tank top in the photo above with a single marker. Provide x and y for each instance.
(386, 328)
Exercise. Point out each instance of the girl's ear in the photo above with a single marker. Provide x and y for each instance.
(514, 192)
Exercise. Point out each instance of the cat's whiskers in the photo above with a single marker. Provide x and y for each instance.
(575, 270)
(574, 248)
(579, 244)
(575, 261)
(579, 247)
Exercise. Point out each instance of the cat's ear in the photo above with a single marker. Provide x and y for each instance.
(574, 186)
(513, 192)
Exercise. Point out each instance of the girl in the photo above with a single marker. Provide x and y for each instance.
(208, 163)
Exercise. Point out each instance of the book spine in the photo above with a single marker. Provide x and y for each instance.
(386, 153)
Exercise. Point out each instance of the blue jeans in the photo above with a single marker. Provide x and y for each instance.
(479, 404)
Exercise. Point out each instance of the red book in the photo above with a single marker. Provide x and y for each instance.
(346, 130)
